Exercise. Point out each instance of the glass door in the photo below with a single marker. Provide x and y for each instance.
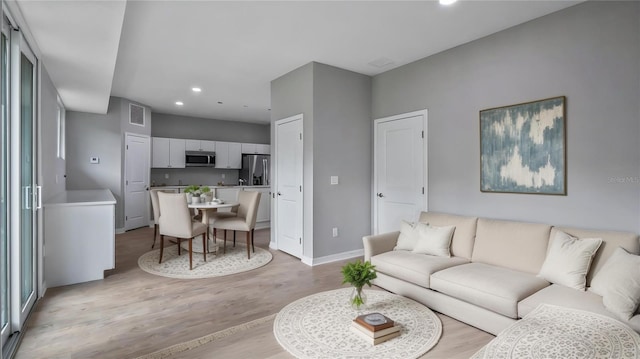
(27, 180)
(18, 190)
(4, 207)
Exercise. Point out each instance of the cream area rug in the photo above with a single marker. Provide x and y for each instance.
(557, 332)
(174, 266)
(318, 326)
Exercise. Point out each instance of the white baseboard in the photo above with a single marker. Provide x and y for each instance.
(332, 258)
(273, 245)
(120, 230)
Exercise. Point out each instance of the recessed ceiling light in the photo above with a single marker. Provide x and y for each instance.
(447, 2)
(196, 89)
(179, 103)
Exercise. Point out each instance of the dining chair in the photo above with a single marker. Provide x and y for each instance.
(175, 221)
(156, 212)
(245, 221)
(217, 215)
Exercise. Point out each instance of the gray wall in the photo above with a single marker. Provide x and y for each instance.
(51, 165)
(342, 131)
(336, 107)
(292, 94)
(589, 53)
(166, 125)
(102, 136)
(96, 135)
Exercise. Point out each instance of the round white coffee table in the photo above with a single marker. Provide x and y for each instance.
(318, 326)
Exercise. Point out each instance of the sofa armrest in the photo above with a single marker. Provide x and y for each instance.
(379, 243)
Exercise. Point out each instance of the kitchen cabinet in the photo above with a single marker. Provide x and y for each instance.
(255, 148)
(228, 155)
(200, 145)
(168, 152)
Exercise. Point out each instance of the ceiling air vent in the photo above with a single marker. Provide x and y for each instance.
(136, 115)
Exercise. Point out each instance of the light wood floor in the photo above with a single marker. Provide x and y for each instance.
(131, 312)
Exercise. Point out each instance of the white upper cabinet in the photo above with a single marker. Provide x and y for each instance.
(255, 148)
(209, 146)
(200, 145)
(228, 155)
(168, 152)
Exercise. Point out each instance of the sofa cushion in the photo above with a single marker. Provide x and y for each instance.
(610, 241)
(463, 235)
(411, 267)
(568, 297)
(494, 288)
(515, 245)
(618, 282)
(435, 241)
(568, 260)
(408, 237)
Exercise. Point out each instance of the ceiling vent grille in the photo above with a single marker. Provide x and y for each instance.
(136, 114)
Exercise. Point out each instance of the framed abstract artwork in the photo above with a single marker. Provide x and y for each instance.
(523, 148)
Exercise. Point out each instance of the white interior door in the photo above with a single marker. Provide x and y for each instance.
(136, 197)
(288, 168)
(399, 170)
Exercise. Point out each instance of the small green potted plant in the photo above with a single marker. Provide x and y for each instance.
(358, 274)
(206, 192)
(193, 193)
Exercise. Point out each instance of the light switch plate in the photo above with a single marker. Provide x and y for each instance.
(334, 179)
(94, 159)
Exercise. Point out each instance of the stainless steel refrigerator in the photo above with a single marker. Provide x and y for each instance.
(255, 170)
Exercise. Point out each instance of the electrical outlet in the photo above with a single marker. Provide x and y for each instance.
(166, 175)
(94, 159)
(335, 231)
(334, 179)
(223, 176)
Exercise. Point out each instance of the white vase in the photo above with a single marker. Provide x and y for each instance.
(195, 199)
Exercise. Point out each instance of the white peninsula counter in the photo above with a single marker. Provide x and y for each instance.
(79, 236)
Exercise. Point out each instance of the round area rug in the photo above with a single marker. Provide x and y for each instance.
(318, 326)
(174, 266)
(557, 332)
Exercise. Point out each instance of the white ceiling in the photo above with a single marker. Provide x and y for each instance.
(233, 49)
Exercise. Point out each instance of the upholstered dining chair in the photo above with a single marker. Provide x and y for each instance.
(175, 221)
(233, 212)
(156, 212)
(244, 221)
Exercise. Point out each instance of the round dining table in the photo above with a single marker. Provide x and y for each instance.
(207, 208)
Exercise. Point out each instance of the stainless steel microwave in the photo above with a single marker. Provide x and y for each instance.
(200, 159)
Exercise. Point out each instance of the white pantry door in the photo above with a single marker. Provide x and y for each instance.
(288, 162)
(399, 170)
(136, 185)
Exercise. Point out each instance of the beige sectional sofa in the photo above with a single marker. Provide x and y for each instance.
(490, 280)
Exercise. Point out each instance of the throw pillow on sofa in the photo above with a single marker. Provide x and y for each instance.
(618, 282)
(435, 241)
(568, 260)
(408, 237)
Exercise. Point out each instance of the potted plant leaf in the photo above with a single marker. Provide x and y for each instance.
(206, 192)
(358, 274)
(193, 193)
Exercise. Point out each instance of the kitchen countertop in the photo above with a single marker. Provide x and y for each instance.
(82, 198)
(212, 187)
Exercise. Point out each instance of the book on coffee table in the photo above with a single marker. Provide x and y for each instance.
(378, 333)
(374, 341)
(374, 321)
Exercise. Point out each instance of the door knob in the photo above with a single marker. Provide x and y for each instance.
(380, 195)
(279, 194)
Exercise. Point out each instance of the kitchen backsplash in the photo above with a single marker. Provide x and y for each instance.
(193, 175)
